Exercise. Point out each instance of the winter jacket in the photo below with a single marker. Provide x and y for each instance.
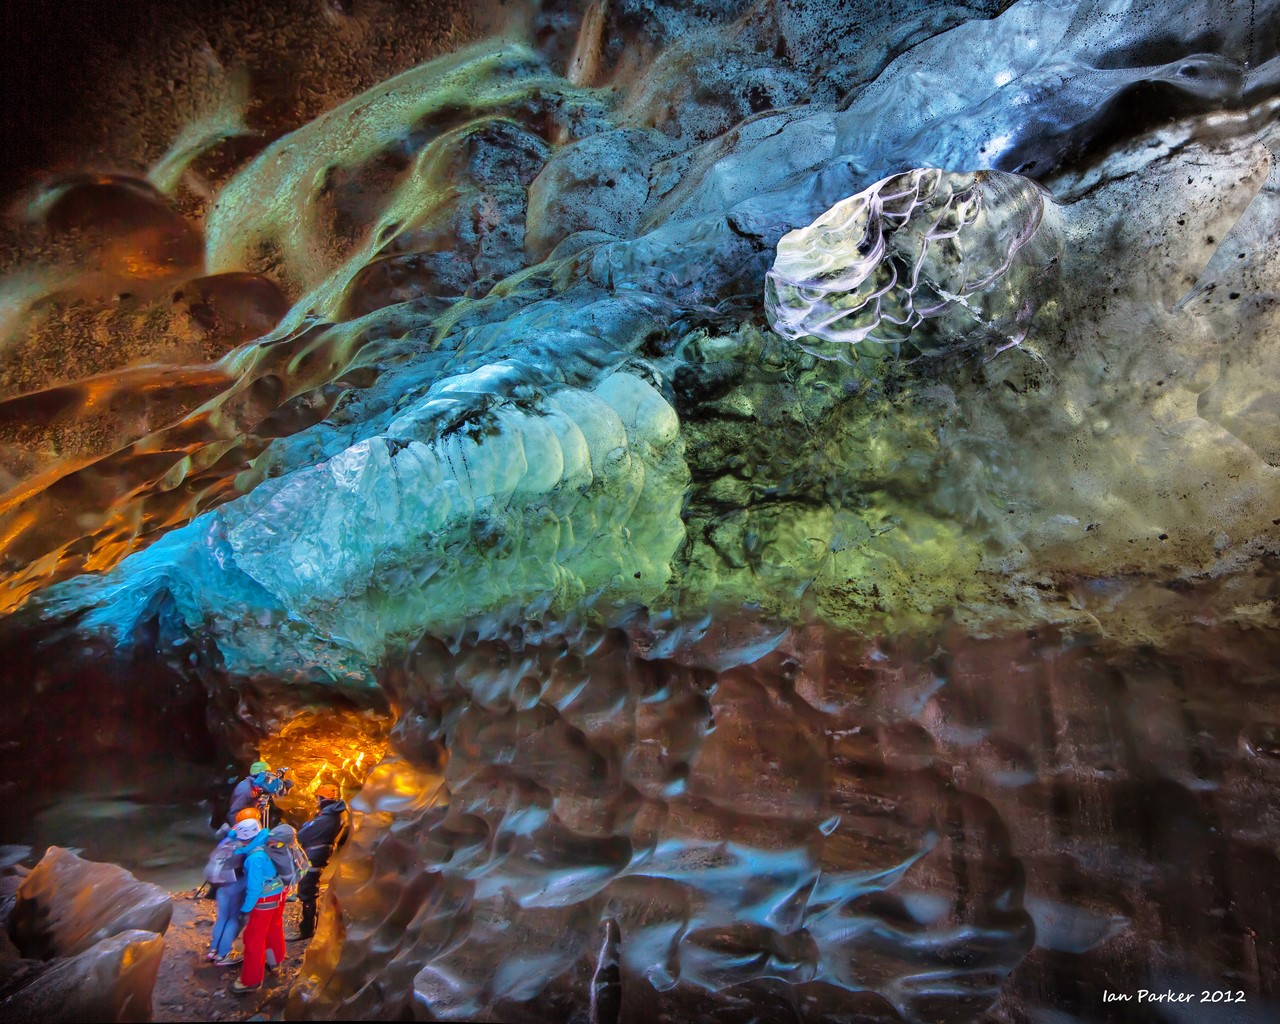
(241, 797)
(321, 835)
(248, 790)
(260, 874)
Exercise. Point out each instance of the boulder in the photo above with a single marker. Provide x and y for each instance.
(67, 905)
(110, 981)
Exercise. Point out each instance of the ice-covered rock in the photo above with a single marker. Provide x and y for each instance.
(702, 830)
(92, 936)
(67, 905)
(111, 982)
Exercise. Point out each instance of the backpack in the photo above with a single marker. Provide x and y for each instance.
(286, 855)
(221, 866)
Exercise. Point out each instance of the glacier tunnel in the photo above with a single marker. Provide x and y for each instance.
(765, 510)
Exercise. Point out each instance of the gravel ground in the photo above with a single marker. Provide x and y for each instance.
(188, 988)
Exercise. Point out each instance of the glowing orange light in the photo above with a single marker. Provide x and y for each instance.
(326, 746)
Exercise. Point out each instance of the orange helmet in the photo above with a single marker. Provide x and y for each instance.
(327, 792)
(245, 813)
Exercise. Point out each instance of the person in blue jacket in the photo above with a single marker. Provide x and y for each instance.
(264, 898)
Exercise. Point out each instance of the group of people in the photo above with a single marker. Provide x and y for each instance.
(255, 869)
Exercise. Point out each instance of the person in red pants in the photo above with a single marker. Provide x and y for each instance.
(264, 903)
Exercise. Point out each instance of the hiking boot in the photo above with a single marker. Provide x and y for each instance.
(238, 988)
(230, 960)
(300, 937)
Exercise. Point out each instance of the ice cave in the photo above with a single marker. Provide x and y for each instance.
(760, 511)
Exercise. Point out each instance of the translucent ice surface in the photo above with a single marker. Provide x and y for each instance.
(912, 248)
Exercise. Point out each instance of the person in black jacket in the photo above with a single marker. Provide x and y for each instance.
(257, 790)
(318, 838)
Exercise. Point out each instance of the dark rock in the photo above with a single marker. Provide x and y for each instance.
(110, 981)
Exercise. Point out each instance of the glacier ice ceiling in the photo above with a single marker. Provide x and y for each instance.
(792, 489)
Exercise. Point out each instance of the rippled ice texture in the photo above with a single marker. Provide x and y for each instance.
(557, 469)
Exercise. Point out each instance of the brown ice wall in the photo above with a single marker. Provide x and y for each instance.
(842, 830)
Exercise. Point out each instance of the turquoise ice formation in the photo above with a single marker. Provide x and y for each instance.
(596, 395)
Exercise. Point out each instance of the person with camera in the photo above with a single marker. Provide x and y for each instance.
(257, 790)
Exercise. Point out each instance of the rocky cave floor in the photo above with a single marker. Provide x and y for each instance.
(187, 988)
